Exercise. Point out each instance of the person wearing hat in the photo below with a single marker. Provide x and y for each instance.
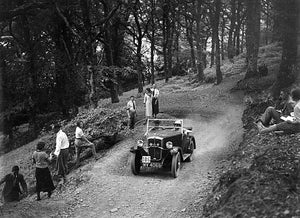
(61, 152)
(12, 191)
(43, 177)
(177, 125)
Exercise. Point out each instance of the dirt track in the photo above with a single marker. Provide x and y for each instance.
(113, 191)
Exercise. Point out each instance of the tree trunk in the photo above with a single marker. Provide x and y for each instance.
(176, 30)
(238, 29)
(267, 23)
(277, 21)
(252, 36)
(212, 53)
(3, 71)
(231, 29)
(113, 40)
(91, 59)
(243, 39)
(170, 35)
(32, 74)
(217, 41)
(190, 39)
(200, 72)
(298, 40)
(222, 39)
(288, 72)
(166, 30)
(152, 41)
(139, 65)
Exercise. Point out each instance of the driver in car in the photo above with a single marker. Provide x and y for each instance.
(177, 125)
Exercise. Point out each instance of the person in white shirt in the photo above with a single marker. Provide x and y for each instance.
(131, 112)
(61, 152)
(155, 106)
(81, 142)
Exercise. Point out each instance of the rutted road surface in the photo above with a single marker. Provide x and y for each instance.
(114, 191)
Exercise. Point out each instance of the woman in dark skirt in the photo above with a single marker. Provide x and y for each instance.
(43, 177)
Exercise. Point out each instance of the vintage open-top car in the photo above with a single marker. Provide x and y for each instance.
(167, 143)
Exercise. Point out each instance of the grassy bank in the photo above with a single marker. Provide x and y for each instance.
(263, 174)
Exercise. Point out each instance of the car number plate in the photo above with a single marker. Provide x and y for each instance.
(146, 159)
(157, 165)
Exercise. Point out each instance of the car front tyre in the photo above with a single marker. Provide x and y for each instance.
(176, 162)
(191, 157)
(135, 163)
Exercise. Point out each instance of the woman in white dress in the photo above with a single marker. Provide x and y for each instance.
(148, 103)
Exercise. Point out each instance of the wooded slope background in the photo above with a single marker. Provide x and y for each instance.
(59, 55)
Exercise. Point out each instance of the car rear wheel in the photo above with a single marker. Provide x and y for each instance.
(135, 163)
(191, 157)
(176, 162)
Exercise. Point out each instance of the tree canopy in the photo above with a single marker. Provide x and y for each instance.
(58, 55)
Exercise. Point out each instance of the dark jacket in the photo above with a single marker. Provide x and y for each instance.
(12, 190)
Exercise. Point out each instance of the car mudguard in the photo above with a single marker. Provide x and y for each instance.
(133, 149)
(175, 150)
(138, 150)
(193, 138)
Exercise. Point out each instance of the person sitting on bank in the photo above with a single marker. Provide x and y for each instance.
(81, 142)
(12, 191)
(287, 126)
(283, 107)
(43, 177)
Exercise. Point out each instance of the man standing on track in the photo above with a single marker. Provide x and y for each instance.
(155, 94)
(61, 152)
(131, 112)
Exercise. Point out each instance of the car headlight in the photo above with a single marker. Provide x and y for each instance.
(150, 144)
(169, 145)
(140, 143)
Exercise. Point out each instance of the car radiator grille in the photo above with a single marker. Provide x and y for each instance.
(155, 153)
(155, 149)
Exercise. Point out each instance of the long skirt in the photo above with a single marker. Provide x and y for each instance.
(62, 162)
(148, 112)
(155, 108)
(44, 181)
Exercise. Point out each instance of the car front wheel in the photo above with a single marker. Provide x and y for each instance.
(135, 164)
(190, 158)
(175, 168)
